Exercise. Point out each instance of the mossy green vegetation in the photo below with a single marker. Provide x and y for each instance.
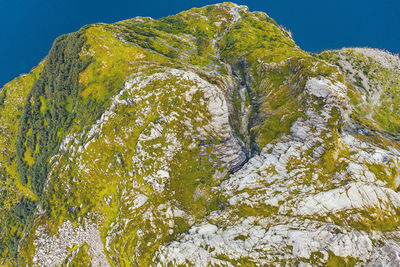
(374, 87)
(336, 261)
(3, 96)
(81, 258)
(141, 156)
(16, 199)
(280, 94)
(105, 167)
(58, 81)
(255, 38)
(385, 173)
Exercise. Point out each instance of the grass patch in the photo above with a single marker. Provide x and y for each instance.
(337, 261)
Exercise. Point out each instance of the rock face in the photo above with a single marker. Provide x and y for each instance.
(203, 138)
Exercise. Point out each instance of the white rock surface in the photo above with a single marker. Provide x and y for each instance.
(54, 250)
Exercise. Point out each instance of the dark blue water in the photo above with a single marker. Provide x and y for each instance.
(28, 27)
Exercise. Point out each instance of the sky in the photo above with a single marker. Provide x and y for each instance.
(29, 27)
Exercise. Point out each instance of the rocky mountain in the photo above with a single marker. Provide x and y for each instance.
(206, 138)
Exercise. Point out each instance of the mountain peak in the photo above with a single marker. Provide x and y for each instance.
(203, 138)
